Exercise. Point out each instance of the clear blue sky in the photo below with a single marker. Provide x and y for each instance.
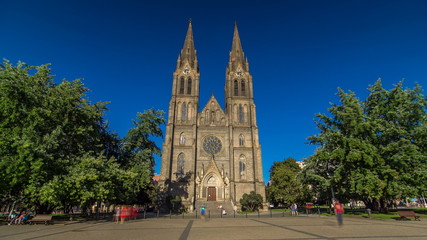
(299, 53)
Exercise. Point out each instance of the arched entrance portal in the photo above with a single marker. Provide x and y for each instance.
(212, 188)
(211, 184)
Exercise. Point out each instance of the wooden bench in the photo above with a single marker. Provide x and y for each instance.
(407, 214)
(43, 218)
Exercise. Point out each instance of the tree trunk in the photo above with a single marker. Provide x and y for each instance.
(381, 205)
(384, 205)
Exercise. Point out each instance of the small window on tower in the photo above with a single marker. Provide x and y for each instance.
(241, 140)
(242, 167)
(181, 86)
(241, 116)
(189, 86)
(180, 166)
(182, 138)
(184, 112)
(236, 88)
(243, 89)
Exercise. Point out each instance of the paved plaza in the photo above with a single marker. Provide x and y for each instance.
(301, 227)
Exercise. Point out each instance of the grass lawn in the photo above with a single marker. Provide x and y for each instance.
(280, 209)
(361, 213)
(382, 216)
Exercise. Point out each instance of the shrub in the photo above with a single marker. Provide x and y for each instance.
(251, 201)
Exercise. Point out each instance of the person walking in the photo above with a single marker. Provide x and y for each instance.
(117, 213)
(202, 212)
(294, 209)
(123, 214)
(339, 211)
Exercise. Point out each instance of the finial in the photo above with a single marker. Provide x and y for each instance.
(190, 21)
(235, 23)
(212, 93)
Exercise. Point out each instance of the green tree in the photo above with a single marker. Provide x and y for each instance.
(46, 129)
(137, 156)
(89, 180)
(285, 187)
(373, 150)
(56, 150)
(251, 201)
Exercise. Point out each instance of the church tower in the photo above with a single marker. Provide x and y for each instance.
(241, 112)
(183, 108)
(212, 155)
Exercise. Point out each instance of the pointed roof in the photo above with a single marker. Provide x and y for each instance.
(188, 52)
(213, 102)
(236, 55)
(214, 171)
(206, 117)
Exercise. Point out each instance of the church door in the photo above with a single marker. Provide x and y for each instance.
(212, 194)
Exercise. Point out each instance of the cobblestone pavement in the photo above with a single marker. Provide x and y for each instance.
(300, 227)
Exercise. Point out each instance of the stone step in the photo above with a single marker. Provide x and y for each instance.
(213, 206)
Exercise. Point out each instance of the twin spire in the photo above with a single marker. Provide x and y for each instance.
(237, 56)
(188, 52)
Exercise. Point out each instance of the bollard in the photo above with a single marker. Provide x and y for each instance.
(145, 213)
(158, 212)
(234, 213)
(170, 214)
(183, 214)
(246, 214)
(369, 212)
(258, 213)
(209, 213)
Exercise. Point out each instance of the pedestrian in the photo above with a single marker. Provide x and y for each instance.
(123, 214)
(202, 212)
(117, 213)
(294, 209)
(134, 213)
(308, 207)
(339, 211)
(21, 218)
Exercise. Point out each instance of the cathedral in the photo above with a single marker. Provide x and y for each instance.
(212, 155)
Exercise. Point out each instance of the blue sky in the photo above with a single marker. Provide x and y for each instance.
(299, 53)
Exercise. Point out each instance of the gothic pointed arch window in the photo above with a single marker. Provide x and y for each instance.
(189, 111)
(184, 112)
(246, 113)
(236, 88)
(189, 84)
(242, 167)
(235, 113)
(182, 139)
(241, 140)
(213, 117)
(243, 88)
(207, 115)
(180, 165)
(217, 115)
(181, 85)
(241, 114)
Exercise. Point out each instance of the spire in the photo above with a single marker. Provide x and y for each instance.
(188, 52)
(236, 54)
